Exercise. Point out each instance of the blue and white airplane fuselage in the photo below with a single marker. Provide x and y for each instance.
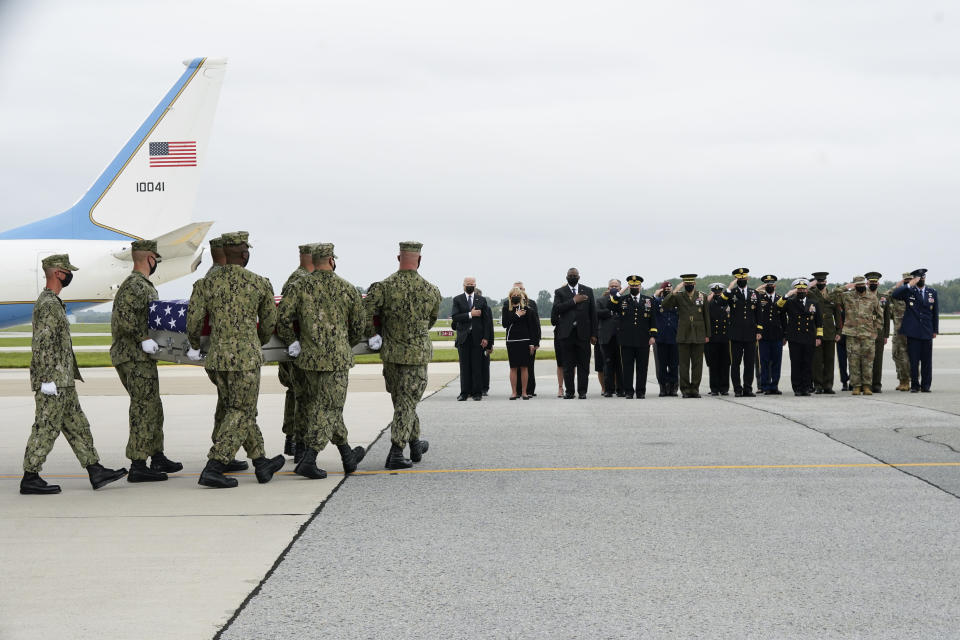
(148, 191)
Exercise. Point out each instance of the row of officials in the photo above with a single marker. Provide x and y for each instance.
(739, 331)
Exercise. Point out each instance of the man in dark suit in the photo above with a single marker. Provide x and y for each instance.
(473, 322)
(531, 376)
(608, 328)
(574, 315)
(921, 324)
(743, 331)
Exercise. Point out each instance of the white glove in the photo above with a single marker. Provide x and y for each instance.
(375, 342)
(294, 349)
(48, 388)
(150, 346)
(194, 354)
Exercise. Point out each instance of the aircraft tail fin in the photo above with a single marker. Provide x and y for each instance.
(151, 185)
(178, 243)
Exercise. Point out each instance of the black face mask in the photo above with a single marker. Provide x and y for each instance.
(801, 295)
(771, 288)
(67, 279)
(741, 283)
(821, 285)
(246, 259)
(515, 300)
(634, 290)
(688, 287)
(860, 288)
(873, 287)
(919, 284)
(573, 280)
(333, 265)
(469, 288)
(153, 267)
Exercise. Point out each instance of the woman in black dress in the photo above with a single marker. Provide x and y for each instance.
(523, 338)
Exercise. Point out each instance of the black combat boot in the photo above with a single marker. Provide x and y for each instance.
(395, 459)
(236, 465)
(266, 467)
(100, 476)
(160, 462)
(673, 390)
(307, 467)
(298, 449)
(417, 449)
(33, 484)
(212, 476)
(288, 449)
(350, 457)
(140, 473)
(663, 391)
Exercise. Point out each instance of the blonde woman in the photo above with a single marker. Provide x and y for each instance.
(523, 338)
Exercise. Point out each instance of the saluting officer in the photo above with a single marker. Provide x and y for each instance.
(744, 331)
(900, 357)
(693, 331)
(665, 350)
(129, 354)
(873, 284)
(637, 332)
(803, 327)
(921, 324)
(717, 351)
(771, 337)
(295, 401)
(608, 328)
(407, 307)
(832, 324)
(242, 315)
(861, 324)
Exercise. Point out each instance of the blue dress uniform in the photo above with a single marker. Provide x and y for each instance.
(771, 338)
(666, 353)
(717, 351)
(742, 333)
(921, 321)
(803, 324)
(637, 325)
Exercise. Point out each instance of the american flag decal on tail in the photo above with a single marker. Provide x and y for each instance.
(173, 154)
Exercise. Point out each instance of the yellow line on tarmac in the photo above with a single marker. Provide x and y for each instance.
(851, 465)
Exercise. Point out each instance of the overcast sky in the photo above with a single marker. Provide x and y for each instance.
(516, 139)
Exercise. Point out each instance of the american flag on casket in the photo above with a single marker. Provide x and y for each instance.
(168, 326)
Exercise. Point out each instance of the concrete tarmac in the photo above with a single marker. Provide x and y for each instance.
(769, 517)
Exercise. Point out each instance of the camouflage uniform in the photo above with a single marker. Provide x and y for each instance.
(407, 306)
(137, 371)
(863, 322)
(53, 361)
(882, 336)
(295, 402)
(330, 315)
(234, 298)
(900, 356)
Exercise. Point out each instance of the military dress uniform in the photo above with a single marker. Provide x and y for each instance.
(636, 326)
(242, 317)
(770, 348)
(324, 314)
(608, 328)
(921, 322)
(290, 377)
(831, 322)
(407, 307)
(744, 326)
(862, 323)
(717, 351)
(693, 331)
(803, 325)
(138, 372)
(873, 280)
(53, 370)
(665, 350)
(900, 358)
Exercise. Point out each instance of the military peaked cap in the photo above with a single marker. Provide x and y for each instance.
(58, 261)
(145, 245)
(799, 283)
(236, 238)
(918, 273)
(717, 286)
(769, 278)
(873, 276)
(741, 272)
(820, 275)
(634, 281)
(689, 277)
(411, 246)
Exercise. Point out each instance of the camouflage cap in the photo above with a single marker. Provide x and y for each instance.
(859, 279)
(216, 243)
(907, 275)
(411, 246)
(145, 245)
(307, 249)
(236, 238)
(58, 261)
(873, 276)
(634, 281)
(323, 250)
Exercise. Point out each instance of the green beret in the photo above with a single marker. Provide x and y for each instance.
(58, 261)
(323, 250)
(216, 243)
(236, 238)
(145, 245)
(411, 246)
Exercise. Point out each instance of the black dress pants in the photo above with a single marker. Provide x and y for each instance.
(668, 360)
(718, 361)
(471, 369)
(575, 355)
(801, 366)
(745, 352)
(612, 367)
(635, 361)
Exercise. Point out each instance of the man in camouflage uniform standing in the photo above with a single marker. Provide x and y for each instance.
(129, 354)
(873, 284)
(295, 401)
(235, 299)
(407, 306)
(900, 356)
(329, 313)
(825, 353)
(863, 318)
(53, 369)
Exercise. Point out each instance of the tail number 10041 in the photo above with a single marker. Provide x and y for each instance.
(149, 187)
